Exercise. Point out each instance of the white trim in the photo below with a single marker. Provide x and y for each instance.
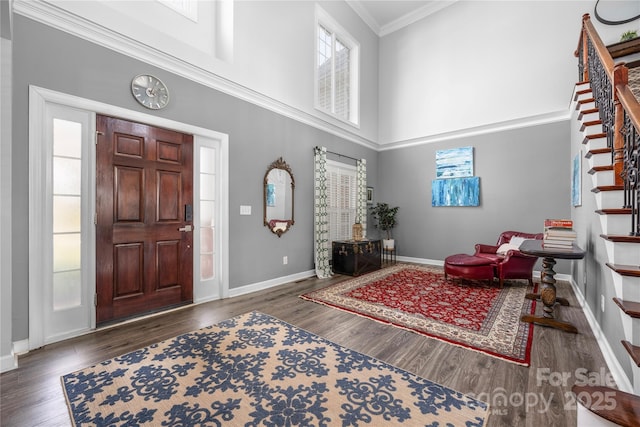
(38, 98)
(260, 286)
(7, 359)
(382, 30)
(524, 122)
(48, 14)
(620, 377)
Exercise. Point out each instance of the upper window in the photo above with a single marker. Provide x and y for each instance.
(337, 64)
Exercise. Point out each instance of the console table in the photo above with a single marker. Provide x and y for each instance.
(356, 257)
(548, 291)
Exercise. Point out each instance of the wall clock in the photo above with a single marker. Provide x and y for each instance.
(150, 91)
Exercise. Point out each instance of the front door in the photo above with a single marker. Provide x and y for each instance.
(144, 199)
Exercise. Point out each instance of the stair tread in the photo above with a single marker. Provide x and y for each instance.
(625, 411)
(630, 308)
(614, 211)
(625, 270)
(621, 238)
(607, 188)
(604, 168)
(633, 350)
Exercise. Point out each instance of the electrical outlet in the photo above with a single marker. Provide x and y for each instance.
(285, 260)
(602, 302)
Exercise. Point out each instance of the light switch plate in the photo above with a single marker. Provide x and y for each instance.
(245, 210)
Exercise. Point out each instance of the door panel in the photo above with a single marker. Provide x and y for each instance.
(144, 181)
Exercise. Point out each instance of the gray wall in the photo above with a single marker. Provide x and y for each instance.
(58, 61)
(524, 173)
(524, 178)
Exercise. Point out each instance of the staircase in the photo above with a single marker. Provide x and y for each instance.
(603, 120)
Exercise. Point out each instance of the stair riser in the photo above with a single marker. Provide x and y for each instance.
(591, 129)
(589, 117)
(599, 160)
(581, 96)
(602, 178)
(623, 253)
(631, 327)
(594, 144)
(626, 287)
(616, 224)
(609, 199)
(587, 418)
(586, 106)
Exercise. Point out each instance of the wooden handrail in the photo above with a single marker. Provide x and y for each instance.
(599, 46)
(629, 103)
(623, 102)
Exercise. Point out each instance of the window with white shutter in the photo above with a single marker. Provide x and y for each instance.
(341, 188)
(337, 65)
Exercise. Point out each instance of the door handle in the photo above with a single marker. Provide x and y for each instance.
(185, 228)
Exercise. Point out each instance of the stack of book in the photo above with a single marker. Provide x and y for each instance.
(558, 234)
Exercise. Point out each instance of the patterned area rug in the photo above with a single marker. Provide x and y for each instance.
(255, 370)
(470, 314)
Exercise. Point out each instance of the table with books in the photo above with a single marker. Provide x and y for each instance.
(549, 250)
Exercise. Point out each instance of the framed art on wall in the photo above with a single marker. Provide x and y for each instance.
(454, 162)
(576, 181)
(455, 192)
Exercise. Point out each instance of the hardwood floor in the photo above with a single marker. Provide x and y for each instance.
(518, 396)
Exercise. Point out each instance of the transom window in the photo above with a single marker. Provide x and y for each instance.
(337, 64)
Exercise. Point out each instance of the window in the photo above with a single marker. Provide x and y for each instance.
(341, 188)
(337, 65)
(67, 214)
(187, 8)
(207, 212)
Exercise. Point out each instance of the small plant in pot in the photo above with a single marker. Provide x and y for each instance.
(385, 219)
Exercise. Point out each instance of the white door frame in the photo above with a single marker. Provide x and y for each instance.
(38, 99)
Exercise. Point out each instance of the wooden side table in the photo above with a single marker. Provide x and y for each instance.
(389, 256)
(548, 291)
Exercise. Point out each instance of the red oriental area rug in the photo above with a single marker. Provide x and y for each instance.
(470, 314)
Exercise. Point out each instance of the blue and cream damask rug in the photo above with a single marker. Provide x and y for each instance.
(256, 370)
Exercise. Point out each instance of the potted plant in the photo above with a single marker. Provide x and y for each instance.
(385, 219)
(628, 35)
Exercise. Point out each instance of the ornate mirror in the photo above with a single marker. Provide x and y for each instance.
(278, 197)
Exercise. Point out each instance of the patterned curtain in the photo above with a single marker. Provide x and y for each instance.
(361, 194)
(321, 216)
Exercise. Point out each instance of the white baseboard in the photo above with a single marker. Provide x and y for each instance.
(619, 376)
(254, 287)
(8, 363)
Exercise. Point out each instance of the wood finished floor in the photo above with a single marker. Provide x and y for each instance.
(32, 394)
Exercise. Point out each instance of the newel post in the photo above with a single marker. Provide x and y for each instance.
(620, 78)
(585, 48)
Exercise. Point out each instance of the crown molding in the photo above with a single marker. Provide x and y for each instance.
(399, 23)
(364, 14)
(60, 19)
(414, 16)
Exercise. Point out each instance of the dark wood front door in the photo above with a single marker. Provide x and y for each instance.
(143, 230)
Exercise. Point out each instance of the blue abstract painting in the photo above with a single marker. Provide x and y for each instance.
(454, 163)
(455, 192)
(576, 182)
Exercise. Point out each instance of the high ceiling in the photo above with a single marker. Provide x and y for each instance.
(387, 16)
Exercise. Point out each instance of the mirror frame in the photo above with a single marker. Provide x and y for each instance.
(278, 164)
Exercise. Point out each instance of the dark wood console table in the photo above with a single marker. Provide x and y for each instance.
(548, 291)
(356, 257)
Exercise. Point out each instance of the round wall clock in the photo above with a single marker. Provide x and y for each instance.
(150, 91)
